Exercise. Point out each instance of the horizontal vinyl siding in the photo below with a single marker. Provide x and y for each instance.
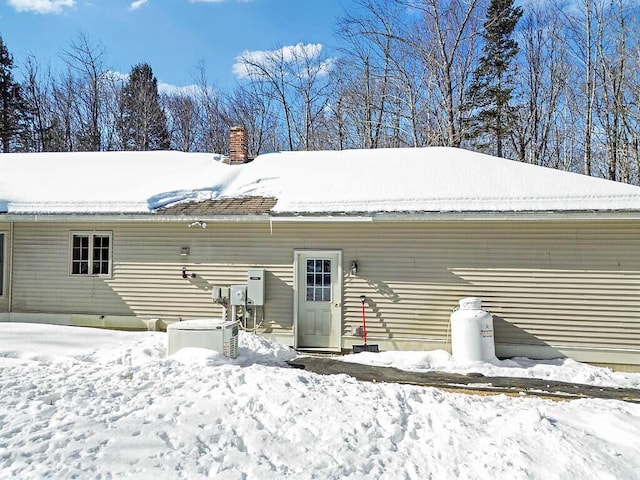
(147, 271)
(556, 283)
(41, 275)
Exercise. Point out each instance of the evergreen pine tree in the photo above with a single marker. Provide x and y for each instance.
(492, 86)
(144, 123)
(11, 105)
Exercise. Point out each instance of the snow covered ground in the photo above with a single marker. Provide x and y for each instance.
(87, 403)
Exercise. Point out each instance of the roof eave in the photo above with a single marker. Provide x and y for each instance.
(460, 216)
(126, 218)
(326, 216)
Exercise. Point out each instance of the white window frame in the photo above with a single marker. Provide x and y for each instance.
(91, 235)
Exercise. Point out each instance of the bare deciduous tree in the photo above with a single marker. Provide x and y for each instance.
(542, 71)
(85, 60)
(371, 37)
(213, 134)
(248, 107)
(296, 79)
(446, 38)
(182, 120)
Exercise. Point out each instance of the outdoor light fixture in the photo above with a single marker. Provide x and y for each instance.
(354, 267)
(185, 274)
(184, 251)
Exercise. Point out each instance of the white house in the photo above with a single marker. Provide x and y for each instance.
(138, 239)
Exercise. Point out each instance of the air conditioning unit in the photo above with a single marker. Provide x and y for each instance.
(209, 333)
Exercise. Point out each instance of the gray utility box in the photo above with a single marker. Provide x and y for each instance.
(238, 295)
(255, 287)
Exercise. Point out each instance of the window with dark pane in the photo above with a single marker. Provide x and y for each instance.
(80, 255)
(318, 287)
(90, 253)
(100, 255)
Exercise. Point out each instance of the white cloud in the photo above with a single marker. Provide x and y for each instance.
(137, 4)
(117, 76)
(167, 88)
(295, 55)
(41, 6)
(188, 90)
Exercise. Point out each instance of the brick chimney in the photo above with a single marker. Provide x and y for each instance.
(238, 150)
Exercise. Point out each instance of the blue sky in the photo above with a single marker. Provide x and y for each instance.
(171, 35)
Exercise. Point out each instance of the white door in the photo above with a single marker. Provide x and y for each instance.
(4, 272)
(2, 268)
(319, 299)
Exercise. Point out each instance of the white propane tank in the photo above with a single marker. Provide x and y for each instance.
(472, 332)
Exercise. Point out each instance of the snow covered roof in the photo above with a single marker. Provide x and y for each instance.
(434, 179)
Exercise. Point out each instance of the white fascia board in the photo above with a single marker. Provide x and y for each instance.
(342, 218)
(506, 216)
(459, 216)
(127, 218)
(321, 219)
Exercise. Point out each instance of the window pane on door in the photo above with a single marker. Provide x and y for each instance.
(318, 287)
(326, 294)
